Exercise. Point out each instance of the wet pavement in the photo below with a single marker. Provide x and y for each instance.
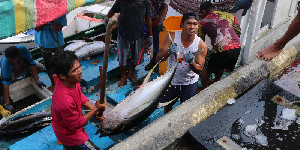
(257, 120)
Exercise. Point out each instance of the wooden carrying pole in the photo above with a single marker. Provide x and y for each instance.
(57, 40)
(103, 69)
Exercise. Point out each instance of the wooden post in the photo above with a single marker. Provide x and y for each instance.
(58, 45)
(111, 22)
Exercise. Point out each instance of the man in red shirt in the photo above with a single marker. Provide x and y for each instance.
(67, 102)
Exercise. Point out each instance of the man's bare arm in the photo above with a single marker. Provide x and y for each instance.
(198, 65)
(34, 73)
(6, 94)
(274, 49)
(164, 11)
(149, 26)
(163, 53)
(110, 13)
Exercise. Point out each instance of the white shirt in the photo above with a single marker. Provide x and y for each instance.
(184, 75)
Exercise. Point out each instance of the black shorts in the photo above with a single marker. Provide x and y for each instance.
(222, 60)
(182, 92)
(134, 49)
(87, 145)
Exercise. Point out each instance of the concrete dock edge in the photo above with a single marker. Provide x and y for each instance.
(172, 126)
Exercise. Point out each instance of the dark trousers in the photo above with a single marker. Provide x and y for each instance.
(47, 55)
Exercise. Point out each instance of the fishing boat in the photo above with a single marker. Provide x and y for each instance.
(78, 20)
(26, 38)
(174, 130)
(83, 18)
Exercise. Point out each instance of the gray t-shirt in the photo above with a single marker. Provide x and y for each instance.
(132, 17)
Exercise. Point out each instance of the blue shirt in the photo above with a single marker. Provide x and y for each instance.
(47, 37)
(132, 17)
(7, 67)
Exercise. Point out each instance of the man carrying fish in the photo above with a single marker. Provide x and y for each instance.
(17, 62)
(50, 38)
(186, 43)
(67, 102)
(133, 14)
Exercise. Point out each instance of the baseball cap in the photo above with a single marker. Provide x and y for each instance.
(190, 15)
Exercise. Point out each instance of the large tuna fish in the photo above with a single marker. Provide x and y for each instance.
(91, 49)
(24, 124)
(137, 106)
(75, 45)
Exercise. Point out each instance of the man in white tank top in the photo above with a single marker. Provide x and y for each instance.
(186, 42)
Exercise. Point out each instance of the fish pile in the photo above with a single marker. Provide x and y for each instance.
(24, 124)
(91, 49)
(75, 45)
(85, 49)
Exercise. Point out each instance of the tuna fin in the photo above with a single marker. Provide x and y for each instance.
(99, 130)
(160, 105)
(146, 80)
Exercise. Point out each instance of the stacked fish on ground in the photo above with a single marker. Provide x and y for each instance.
(85, 49)
(24, 124)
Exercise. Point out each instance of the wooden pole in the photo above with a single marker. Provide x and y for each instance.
(111, 22)
(58, 45)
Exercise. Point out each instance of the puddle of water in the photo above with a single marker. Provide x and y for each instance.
(264, 128)
(254, 121)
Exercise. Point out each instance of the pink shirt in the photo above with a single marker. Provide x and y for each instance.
(66, 111)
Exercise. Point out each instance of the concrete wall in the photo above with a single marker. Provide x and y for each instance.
(257, 38)
(171, 127)
(282, 9)
(268, 17)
